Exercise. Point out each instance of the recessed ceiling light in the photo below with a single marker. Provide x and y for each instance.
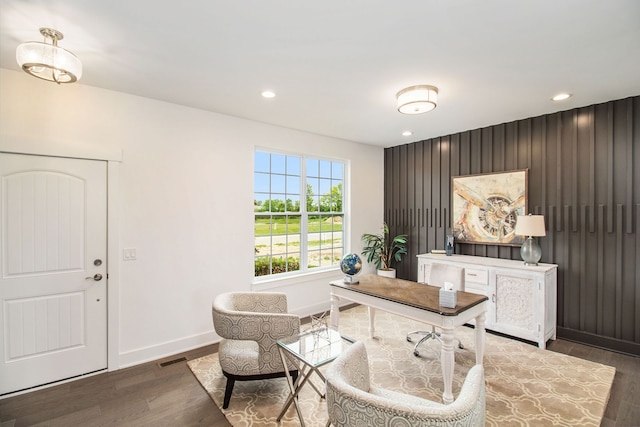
(268, 94)
(561, 97)
(407, 133)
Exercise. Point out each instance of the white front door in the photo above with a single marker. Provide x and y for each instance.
(53, 269)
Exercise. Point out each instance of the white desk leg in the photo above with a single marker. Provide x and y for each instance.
(335, 312)
(480, 338)
(446, 360)
(372, 318)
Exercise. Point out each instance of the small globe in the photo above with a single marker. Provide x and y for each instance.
(351, 264)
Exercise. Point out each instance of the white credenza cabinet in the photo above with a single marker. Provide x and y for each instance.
(522, 299)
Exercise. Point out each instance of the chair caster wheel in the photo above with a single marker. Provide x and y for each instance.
(416, 354)
(460, 346)
(409, 339)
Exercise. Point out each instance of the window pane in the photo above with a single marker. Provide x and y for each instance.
(293, 165)
(315, 185)
(293, 262)
(262, 266)
(293, 185)
(325, 169)
(259, 202)
(313, 167)
(277, 163)
(293, 228)
(261, 182)
(293, 204)
(313, 203)
(277, 183)
(262, 226)
(261, 161)
(336, 170)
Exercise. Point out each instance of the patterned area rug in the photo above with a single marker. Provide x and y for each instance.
(526, 386)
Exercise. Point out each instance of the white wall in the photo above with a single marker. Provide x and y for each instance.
(186, 200)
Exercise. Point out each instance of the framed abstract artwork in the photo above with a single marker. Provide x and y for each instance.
(485, 207)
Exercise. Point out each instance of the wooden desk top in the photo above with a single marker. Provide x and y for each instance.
(418, 295)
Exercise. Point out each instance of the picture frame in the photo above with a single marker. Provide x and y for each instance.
(485, 207)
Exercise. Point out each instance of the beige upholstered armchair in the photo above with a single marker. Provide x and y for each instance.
(250, 323)
(352, 401)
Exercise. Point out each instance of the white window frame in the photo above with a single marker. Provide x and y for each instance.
(304, 215)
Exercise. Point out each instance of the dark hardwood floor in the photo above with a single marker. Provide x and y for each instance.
(150, 395)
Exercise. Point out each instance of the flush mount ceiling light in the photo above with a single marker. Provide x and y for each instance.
(47, 61)
(268, 94)
(417, 99)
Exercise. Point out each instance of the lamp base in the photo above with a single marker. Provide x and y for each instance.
(530, 251)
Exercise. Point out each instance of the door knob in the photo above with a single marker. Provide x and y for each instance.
(97, 277)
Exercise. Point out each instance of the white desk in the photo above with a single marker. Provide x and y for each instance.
(417, 302)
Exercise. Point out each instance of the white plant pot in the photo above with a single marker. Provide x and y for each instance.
(388, 273)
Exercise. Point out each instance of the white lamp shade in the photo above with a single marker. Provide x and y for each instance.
(417, 99)
(49, 62)
(530, 225)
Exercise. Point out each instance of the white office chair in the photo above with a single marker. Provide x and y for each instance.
(439, 274)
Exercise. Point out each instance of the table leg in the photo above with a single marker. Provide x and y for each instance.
(480, 338)
(335, 312)
(446, 360)
(293, 387)
(372, 318)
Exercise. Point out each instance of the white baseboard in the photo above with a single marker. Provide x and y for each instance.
(169, 348)
(166, 349)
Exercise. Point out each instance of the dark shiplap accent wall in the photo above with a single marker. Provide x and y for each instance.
(584, 177)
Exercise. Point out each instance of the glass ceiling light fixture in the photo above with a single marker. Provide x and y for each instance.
(417, 99)
(47, 61)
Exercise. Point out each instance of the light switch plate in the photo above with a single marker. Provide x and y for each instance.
(129, 254)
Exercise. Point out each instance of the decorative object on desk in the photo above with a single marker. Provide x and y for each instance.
(448, 295)
(449, 244)
(530, 226)
(382, 251)
(350, 264)
(485, 207)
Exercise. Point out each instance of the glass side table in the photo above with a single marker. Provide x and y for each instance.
(314, 348)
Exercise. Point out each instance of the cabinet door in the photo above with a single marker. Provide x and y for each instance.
(516, 298)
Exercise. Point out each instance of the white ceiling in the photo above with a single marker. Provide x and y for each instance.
(336, 65)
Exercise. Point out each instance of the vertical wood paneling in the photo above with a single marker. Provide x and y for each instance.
(584, 173)
(636, 279)
(592, 167)
(610, 166)
(558, 160)
(629, 167)
(574, 170)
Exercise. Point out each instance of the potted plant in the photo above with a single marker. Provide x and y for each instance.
(382, 251)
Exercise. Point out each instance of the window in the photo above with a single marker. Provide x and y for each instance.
(298, 209)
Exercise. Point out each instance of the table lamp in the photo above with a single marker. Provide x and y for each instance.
(530, 226)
